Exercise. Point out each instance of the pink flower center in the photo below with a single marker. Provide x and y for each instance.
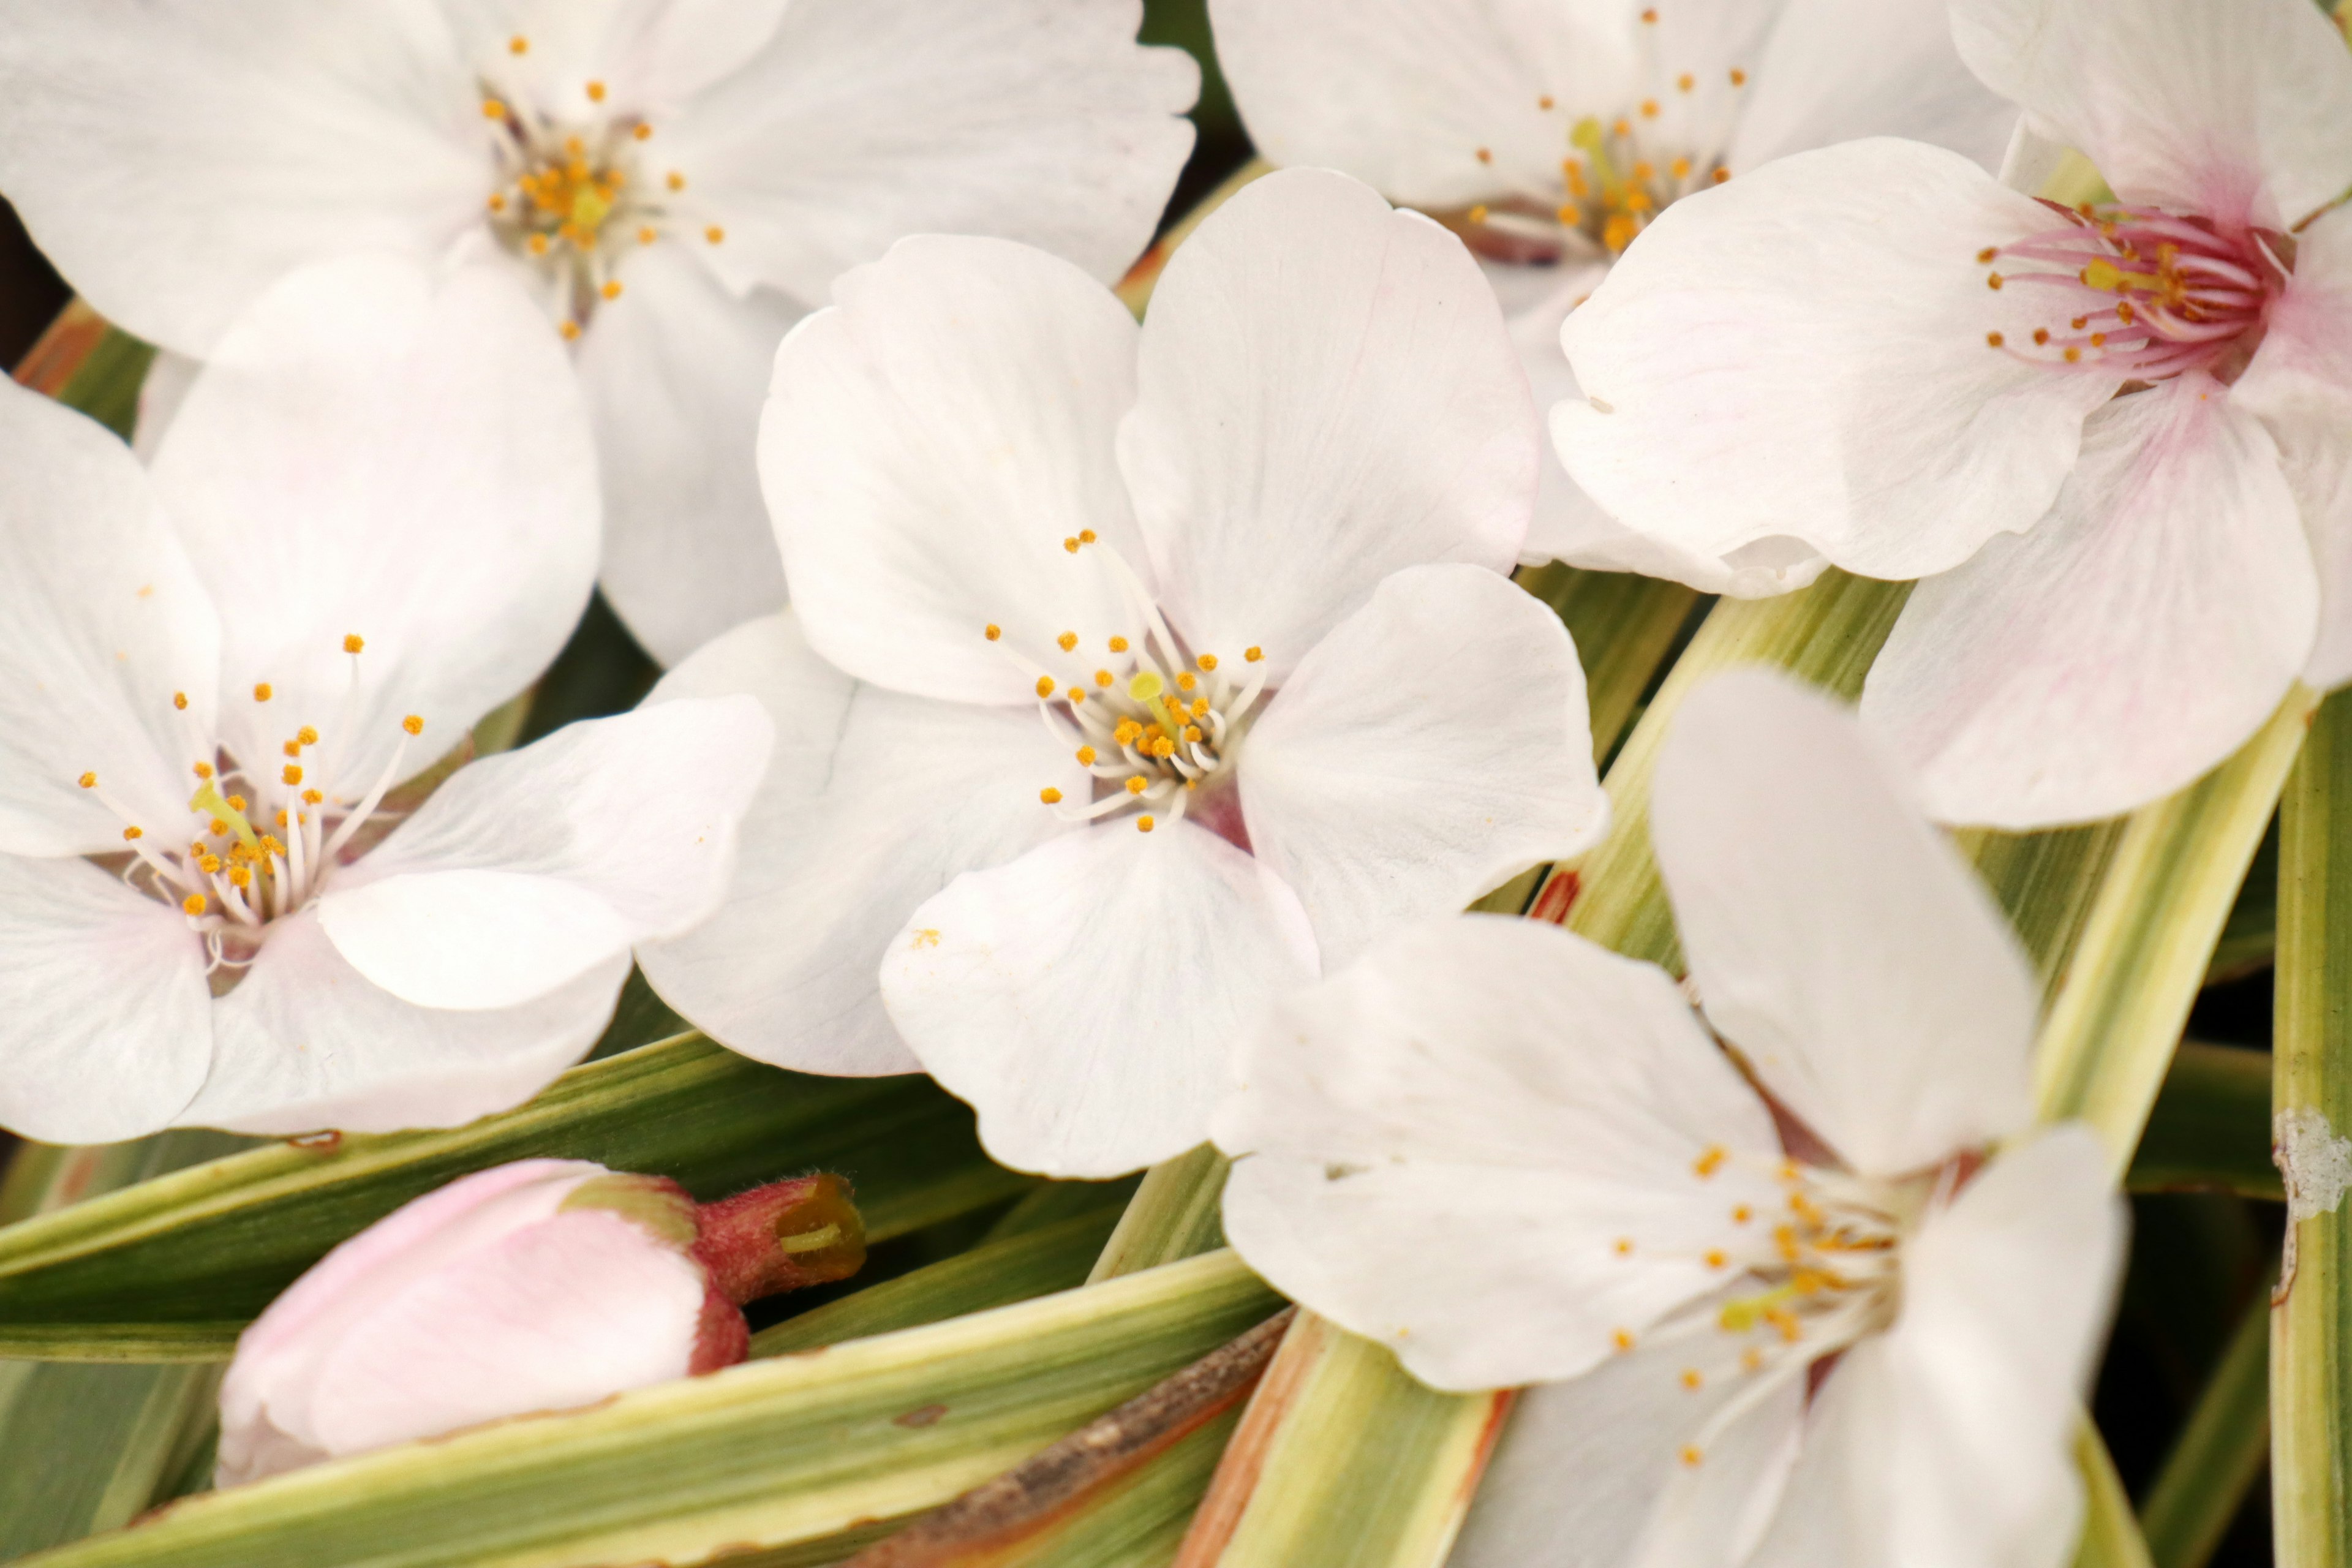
(2142, 293)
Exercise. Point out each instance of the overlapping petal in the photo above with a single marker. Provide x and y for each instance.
(1083, 997)
(371, 452)
(1802, 355)
(862, 121)
(929, 445)
(2240, 110)
(872, 802)
(107, 620)
(1431, 747)
(1836, 70)
(2127, 643)
(175, 159)
(1442, 1147)
(1303, 429)
(529, 868)
(1836, 939)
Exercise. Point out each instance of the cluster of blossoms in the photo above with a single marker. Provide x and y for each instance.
(1152, 700)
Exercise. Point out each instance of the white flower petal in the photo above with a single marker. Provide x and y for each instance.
(1433, 746)
(1801, 354)
(862, 121)
(160, 392)
(1836, 938)
(1948, 1442)
(1591, 1473)
(2238, 110)
(175, 159)
(928, 443)
(648, 56)
(530, 867)
(1440, 1148)
(1407, 94)
(1836, 70)
(1083, 997)
(1326, 394)
(872, 802)
(2126, 644)
(107, 1033)
(307, 1042)
(107, 619)
(368, 452)
(675, 372)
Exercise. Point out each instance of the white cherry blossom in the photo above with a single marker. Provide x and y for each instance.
(1548, 135)
(2111, 439)
(678, 180)
(1131, 675)
(374, 518)
(1810, 1293)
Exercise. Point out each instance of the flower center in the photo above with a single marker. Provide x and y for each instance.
(263, 839)
(571, 191)
(2142, 293)
(1821, 1266)
(1150, 722)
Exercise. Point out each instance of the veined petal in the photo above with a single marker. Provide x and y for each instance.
(107, 620)
(1436, 104)
(1802, 355)
(1948, 1442)
(863, 121)
(2238, 110)
(306, 1042)
(872, 802)
(675, 372)
(1084, 997)
(1836, 70)
(530, 867)
(929, 445)
(175, 159)
(1326, 394)
(1480, 1146)
(1585, 1471)
(647, 56)
(1433, 746)
(370, 452)
(1836, 939)
(106, 1032)
(2126, 644)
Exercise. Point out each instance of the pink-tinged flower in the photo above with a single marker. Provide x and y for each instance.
(2111, 439)
(1795, 1282)
(678, 181)
(373, 520)
(542, 1285)
(1132, 674)
(1550, 135)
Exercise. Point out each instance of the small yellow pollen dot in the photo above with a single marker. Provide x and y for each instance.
(353, 642)
(1685, 81)
(1164, 748)
(1066, 642)
(2040, 336)
(2073, 356)
(1710, 1161)
(1623, 1338)
(641, 131)
(1995, 338)
(1680, 168)
(569, 331)
(130, 833)
(306, 735)
(204, 769)
(497, 201)
(1624, 128)
(1742, 1215)
(715, 235)
(1987, 253)
(994, 631)
(413, 725)
(1252, 655)
(493, 110)
(1077, 694)
(1715, 1259)
(1486, 154)
(1119, 645)
(1086, 756)
(1478, 212)
(518, 45)
(2098, 340)
(595, 92)
(1692, 1379)
(1649, 108)
(612, 289)
(282, 822)
(1992, 280)
(1690, 1456)
(1544, 102)
(219, 826)
(1624, 1246)
(1186, 680)
(209, 865)
(1721, 176)
(291, 773)
(89, 781)
(1738, 76)
(538, 245)
(1751, 1358)
(1050, 795)
(1207, 661)
(1143, 825)
(180, 699)
(1649, 15)
(309, 797)
(261, 693)
(194, 903)
(1191, 735)
(293, 748)
(1071, 544)
(674, 181)
(1104, 677)
(240, 876)
(1045, 687)
(1136, 785)
(646, 234)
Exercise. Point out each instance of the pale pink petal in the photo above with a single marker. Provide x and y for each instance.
(1836, 70)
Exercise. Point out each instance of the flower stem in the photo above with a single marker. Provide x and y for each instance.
(1172, 1216)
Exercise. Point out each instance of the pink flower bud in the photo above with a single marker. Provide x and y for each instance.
(541, 1285)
